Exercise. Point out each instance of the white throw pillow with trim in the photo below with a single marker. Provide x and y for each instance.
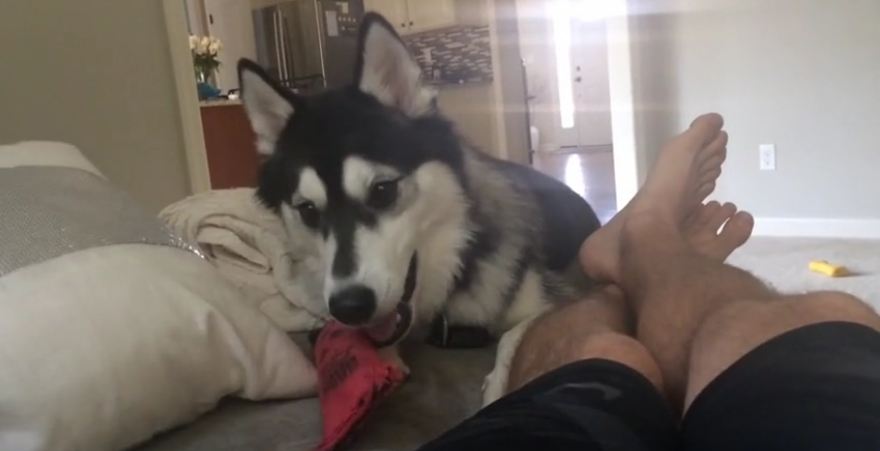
(103, 348)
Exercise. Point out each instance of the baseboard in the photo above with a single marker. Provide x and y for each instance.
(818, 227)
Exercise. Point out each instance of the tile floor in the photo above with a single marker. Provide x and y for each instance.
(590, 174)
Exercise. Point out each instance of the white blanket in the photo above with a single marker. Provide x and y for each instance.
(248, 244)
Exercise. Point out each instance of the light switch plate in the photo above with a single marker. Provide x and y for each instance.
(767, 157)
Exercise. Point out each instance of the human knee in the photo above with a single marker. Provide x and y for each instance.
(744, 322)
(826, 306)
(625, 350)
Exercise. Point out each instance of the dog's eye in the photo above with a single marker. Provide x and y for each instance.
(309, 213)
(382, 194)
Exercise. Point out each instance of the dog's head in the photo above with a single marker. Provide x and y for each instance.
(369, 174)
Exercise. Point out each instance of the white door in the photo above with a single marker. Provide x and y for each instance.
(591, 88)
(429, 15)
(393, 10)
(232, 23)
(584, 100)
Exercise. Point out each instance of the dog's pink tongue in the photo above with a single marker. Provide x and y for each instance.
(383, 330)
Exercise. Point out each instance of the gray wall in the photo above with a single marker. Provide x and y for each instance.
(803, 74)
(471, 107)
(97, 74)
(652, 46)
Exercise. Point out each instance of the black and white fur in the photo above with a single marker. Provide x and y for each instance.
(495, 243)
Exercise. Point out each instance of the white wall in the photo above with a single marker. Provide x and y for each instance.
(231, 21)
(509, 77)
(536, 48)
(195, 14)
(803, 74)
(97, 74)
(471, 107)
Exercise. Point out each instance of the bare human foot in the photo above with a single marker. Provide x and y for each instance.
(716, 230)
(682, 177)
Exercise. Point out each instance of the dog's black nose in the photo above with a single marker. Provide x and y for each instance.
(354, 305)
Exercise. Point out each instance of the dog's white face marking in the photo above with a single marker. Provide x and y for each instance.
(311, 188)
(427, 217)
(358, 175)
(382, 250)
(331, 283)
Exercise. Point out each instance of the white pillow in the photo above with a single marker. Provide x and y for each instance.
(102, 348)
(45, 153)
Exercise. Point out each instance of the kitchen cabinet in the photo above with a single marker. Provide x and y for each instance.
(393, 10)
(414, 16)
(429, 15)
(233, 160)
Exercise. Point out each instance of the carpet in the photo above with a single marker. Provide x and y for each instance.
(782, 263)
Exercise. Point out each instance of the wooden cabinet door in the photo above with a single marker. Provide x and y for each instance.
(393, 10)
(233, 160)
(429, 14)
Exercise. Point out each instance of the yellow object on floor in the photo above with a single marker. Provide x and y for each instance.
(823, 267)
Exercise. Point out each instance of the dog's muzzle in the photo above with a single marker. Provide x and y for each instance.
(396, 325)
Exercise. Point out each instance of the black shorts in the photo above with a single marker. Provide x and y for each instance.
(813, 388)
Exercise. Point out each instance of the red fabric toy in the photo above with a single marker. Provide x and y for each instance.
(352, 379)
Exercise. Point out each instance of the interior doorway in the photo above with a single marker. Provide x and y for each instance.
(586, 123)
(567, 48)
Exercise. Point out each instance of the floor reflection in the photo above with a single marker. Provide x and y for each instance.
(590, 174)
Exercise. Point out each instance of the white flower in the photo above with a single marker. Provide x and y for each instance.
(202, 47)
(214, 48)
(193, 42)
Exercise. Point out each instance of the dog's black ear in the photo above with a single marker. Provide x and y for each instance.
(268, 105)
(386, 70)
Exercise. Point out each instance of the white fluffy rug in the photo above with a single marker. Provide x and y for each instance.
(783, 263)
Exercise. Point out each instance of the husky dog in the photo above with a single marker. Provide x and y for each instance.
(410, 223)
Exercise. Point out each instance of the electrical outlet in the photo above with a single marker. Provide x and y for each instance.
(767, 157)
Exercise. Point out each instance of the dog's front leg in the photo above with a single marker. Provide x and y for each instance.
(495, 384)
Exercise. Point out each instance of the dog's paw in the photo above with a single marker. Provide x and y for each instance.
(391, 355)
(494, 385)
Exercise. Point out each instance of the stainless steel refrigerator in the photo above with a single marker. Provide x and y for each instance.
(309, 45)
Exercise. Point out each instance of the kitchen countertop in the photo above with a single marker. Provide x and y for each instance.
(442, 84)
(219, 102)
(436, 84)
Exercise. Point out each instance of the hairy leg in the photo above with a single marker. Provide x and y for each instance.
(601, 324)
(651, 247)
(673, 289)
(697, 315)
(598, 326)
(739, 327)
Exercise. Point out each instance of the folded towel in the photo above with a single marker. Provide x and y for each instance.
(248, 244)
